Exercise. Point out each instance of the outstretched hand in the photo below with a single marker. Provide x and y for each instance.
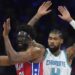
(65, 15)
(6, 27)
(43, 9)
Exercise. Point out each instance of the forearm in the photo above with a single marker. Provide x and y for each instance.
(9, 49)
(71, 21)
(16, 57)
(19, 57)
(26, 56)
(34, 20)
(4, 60)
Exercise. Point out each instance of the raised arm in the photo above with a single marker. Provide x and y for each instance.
(42, 10)
(70, 53)
(17, 57)
(65, 15)
(9, 49)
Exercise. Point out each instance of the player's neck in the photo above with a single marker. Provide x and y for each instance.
(57, 52)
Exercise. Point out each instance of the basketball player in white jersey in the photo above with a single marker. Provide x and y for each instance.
(57, 62)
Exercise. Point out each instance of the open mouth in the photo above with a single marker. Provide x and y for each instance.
(20, 43)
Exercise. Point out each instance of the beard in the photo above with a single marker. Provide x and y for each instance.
(54, 49)
(22, 45)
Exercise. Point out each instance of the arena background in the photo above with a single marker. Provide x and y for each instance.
(21, 11)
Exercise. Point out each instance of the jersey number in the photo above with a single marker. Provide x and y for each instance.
(55, 71)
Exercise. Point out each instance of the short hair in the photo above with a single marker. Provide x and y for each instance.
(30, 30)
(56, 31)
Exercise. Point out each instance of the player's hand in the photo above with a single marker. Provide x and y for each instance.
(6, 27)
(35, 52)
(65, 15)
(43, 9)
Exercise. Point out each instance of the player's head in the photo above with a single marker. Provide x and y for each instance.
(55, 40)
(24, 36)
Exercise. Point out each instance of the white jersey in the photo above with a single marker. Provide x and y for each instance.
(56, 65)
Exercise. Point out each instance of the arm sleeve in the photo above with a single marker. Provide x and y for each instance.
(72, 23)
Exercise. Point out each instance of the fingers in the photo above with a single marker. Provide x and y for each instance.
(46, 4)
(43, 4)
(65, 8)
(60, 16)
(61, 9)
(48, 11)
(8, 22)
(4, 25)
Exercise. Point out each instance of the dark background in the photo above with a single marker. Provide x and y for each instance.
(21, 11)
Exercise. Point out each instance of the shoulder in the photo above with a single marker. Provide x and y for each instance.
(36, 44)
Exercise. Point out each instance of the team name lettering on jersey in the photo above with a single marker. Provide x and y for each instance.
(57, 63)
